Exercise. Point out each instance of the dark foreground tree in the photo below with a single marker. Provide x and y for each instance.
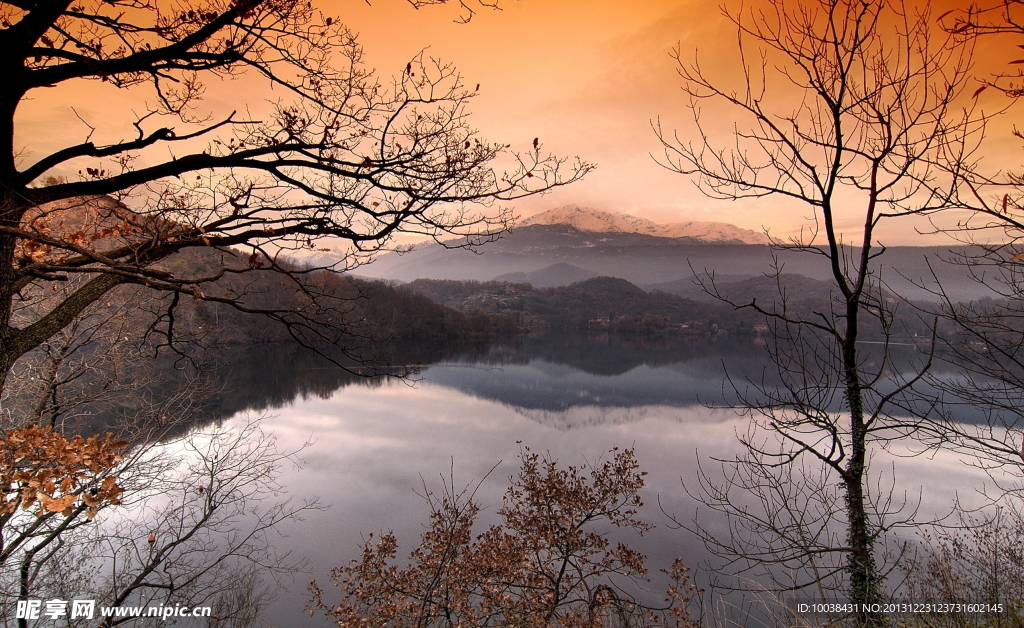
(339, 159)
(340, 154)
(852, 112)
(549, 562)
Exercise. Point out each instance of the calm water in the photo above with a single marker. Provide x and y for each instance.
(574, 398)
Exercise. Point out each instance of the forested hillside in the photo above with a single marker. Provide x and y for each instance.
(372, 310)
(681, 307)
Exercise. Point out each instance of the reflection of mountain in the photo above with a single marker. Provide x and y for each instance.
(561, 373)
(553, 373)
(610, 355)
(545, 386)
(569, 381)
(579, 417)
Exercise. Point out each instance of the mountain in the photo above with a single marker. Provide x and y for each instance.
(639, 258)
(646, 260)
(615, 305)
(549, 276)
(593, 221)
(765, 289)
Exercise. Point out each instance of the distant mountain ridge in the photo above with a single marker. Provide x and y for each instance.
(594, 221)
(652, 261)
(549, 276)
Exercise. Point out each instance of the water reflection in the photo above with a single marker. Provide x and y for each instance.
(552, 372)
(374, 446)
(558, 388)
(377, 443)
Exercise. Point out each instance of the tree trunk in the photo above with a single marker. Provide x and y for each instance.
(861, 569)
(11, 212)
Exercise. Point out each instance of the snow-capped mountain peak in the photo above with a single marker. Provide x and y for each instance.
(592, 220)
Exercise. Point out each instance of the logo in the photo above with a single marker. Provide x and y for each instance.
(55, 609)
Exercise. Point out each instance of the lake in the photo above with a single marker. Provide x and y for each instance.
(375, 443)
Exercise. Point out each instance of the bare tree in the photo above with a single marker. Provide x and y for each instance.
(212, 525)
(854, 111)
(984, 19)
(341, 155)
(189, 521)
(77, 511)
(977, 409)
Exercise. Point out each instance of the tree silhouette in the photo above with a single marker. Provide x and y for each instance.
(855, 112)
(343, 154)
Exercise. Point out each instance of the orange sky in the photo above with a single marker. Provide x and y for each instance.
(588, 77)
(585, 76)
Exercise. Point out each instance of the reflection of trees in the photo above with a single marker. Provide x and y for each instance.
(582, 417)
(271, 375)
(610, 354)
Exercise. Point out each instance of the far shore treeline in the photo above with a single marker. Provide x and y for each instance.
(440, 309)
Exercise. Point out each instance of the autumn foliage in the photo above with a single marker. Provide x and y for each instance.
(547, 563)
(43, 472)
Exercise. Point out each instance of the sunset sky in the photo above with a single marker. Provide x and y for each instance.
(587, 77)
